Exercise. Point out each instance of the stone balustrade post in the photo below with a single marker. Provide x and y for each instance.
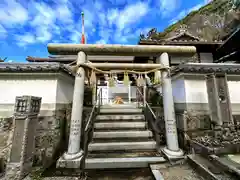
(22, 150)
(72, 158)
(172, 150)
(219, 100)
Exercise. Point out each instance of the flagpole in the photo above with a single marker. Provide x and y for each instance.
(83, 33)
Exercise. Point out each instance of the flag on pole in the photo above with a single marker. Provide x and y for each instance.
(83, 35)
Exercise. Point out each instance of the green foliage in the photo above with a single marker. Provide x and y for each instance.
(215, 6)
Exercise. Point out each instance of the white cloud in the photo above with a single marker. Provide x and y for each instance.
(12, 12)
(61, 21)
(64, 13)
(101, 41)
(75, 37)
(43, 34)
(44, 15)
(25, 39)
(112, 15)
(129, 16)
(168, 6)
(3, 32)
(118, 2)
(121, 2)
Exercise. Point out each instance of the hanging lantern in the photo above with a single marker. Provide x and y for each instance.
(126, 79)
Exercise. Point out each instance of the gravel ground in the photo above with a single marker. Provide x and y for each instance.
(180, 172)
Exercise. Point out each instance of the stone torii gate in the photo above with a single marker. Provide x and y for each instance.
(74, 153)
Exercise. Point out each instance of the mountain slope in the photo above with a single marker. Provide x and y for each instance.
(211, 22)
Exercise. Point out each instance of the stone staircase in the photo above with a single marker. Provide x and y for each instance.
(121, 139)
(210, 168)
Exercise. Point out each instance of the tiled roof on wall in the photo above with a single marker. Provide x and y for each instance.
(34, 67)
(206, 68)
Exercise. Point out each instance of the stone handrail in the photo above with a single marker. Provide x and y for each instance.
(97, 104)
(147, 107)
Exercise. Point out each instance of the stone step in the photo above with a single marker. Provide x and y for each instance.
(225, 163)
(120, 111)
(207, 169)
(110, 163)
(142, 145)
(120, 106)
(119, 117)
(123, 134)
(118, 125)
(123, 154)
(111, 140)
(120, 174)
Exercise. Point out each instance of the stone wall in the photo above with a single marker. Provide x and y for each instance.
(6, 133)
(51, 136)
(190, 92)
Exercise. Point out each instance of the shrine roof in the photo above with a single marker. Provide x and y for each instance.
(34, 67)
(230, 45)
(180, 37)
(203, 68)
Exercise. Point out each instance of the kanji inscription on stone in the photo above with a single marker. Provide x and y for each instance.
(30, 139)
(75, 127)
(16, 150)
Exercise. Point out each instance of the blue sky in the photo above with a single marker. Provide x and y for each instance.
(27, 26)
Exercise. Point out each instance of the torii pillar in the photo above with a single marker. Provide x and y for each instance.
(172, 149)
(72, 158)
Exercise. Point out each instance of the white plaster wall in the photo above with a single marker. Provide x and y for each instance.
(19, 86)
(65, 86)
(52, 88)
(196, 91)
(45, 88)
(179, 59)
(206, 57)
(178, 91)
(234, 92)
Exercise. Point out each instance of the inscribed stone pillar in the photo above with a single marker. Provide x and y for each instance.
(172, 148)
(23, 144)
(72, 158)
(219, 100)
(157, 74)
